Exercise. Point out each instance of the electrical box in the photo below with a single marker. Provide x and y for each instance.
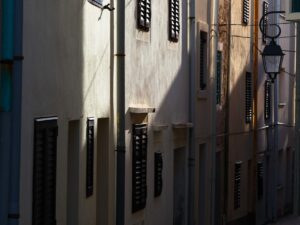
(293, 13)
(98, 3)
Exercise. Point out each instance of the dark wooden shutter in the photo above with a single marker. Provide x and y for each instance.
(203, 59)
(44, 171)
(174, 23)
(265, 9)
(90, 157)
(248, 97)
(139, 167)
(219, 76)
(144, 14)
(246, 11)
(268, 105)
(260, 180)
(158, 167)
(237, 185)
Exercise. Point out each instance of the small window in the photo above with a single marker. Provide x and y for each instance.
(237, 185)
(268, 106)
(158, 167)
(139, 166)
(246, 11)
(219, 76)
(248, 97)
(90, 157)
(144, 14)
(174, 23)
(260, 180)
(203, 60)
(265, 9)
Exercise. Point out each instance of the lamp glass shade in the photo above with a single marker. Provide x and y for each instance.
(272, 58)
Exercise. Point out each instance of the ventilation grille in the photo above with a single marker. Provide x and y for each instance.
(237, 185)
(246, 11)
(44, 171)
(260, 180)
(158, 182)
(139, 167)
(144, 14)
(174, 24)
(248, 96)
(268, 106)
(265, 22)
(90, 157)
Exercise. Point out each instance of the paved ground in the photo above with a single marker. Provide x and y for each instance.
(290, 220)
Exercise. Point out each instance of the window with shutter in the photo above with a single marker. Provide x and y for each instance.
(260, 180)
(248, 96)
(237, 185)
(268, 105)
(203, 59)
(174, 23)
(144, 14)
(158, 167)
(97, 3)
(44, 171)
(139, 166)
(246, 11)
(265, 22)
(89, 157)
(219, 76)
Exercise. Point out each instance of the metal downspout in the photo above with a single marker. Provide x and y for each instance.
(192, 103)
(14, 190)
(213, 61)
(120, 63)
(6, 64)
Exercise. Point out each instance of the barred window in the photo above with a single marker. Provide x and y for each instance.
(248, 98)
(144, 14)
(203, 60)
(268, 96)
(174, 23)
(265, 10)
(237, 185)
(246, 11)
(219, 76)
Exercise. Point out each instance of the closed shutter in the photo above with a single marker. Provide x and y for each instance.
(158, 167)
(203, 59)
(248, 97)
(260, 180)
(265, 9)
(90, 157)
(174, 23)
(139, 167)
(237, 185)
(246, 11)
(144, 14)
(268, 105)
(219, 76)
(44, 171)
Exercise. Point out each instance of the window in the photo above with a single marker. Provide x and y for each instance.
(158, 167)
(219, 76)
(203, 59)
(139, 166)
(144, 14)
(268, 105)
(97, 3)
(44, 171)
(248, 96)
(174, 24)
(246, 11)
(260, 180)
(237, 185)
(90, 157)
(265, 22)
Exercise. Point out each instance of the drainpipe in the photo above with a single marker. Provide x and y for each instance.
(213, 65)
(6, 64)
(120, 60)
(13, 207)
(192, 103)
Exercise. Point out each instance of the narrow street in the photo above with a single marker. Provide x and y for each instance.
(289, 220)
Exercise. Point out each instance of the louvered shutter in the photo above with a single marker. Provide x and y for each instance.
(219, 76)
(90, 157)
(246, 11)
(248, 96)
(203, 59)
(237, 185)
(265, 22)
(260, 180)
(139, 167)
(44, 171)
(174, 23)
(158, 167)
(144, 14)
(268, 105)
